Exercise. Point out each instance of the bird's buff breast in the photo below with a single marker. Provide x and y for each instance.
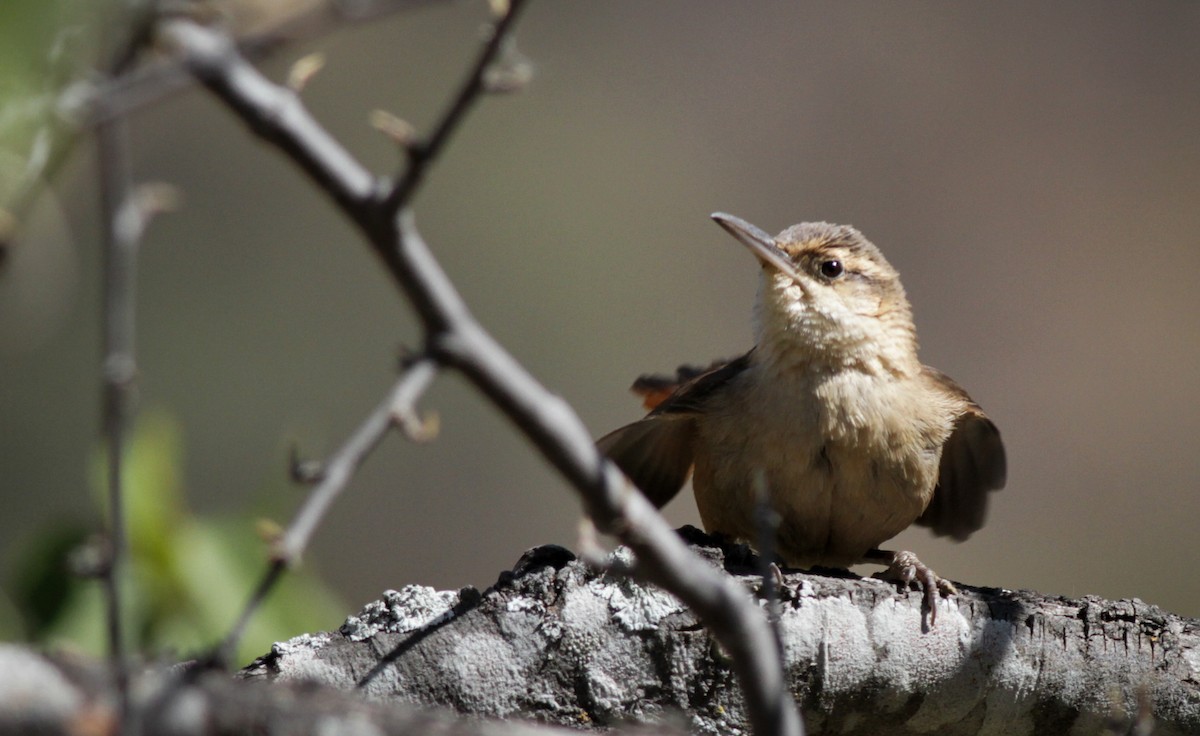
(848, 461)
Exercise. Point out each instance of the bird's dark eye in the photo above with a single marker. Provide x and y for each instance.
(832, 268)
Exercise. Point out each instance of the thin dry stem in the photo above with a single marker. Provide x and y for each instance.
(332, 480)
(119, 369)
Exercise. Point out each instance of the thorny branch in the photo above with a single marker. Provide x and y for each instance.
(454, 338)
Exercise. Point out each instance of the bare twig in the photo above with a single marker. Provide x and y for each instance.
(341, 466)
(223, 653)
(334, 477)
(455, 338)
(126, 213)
(119, 370)
(421, 155)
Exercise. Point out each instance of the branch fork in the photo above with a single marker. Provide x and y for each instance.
(455, 339)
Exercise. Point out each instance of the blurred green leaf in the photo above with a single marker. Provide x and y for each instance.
(48, 50)
(188, 576)
(40, 587)
(43, 44)
(154, 506)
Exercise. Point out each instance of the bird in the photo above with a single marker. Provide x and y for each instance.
(830, 419)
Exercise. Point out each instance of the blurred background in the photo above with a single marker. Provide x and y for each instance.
(1032, 170)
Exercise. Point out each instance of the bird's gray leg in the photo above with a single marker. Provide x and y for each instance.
(904, 568)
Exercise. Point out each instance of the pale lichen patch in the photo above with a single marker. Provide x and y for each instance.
(400, 612)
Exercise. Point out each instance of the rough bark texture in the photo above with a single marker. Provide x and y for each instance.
(555, 640)
(49, 695)
(563, 643)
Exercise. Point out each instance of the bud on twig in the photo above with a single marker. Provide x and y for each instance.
(305, 68)
(398, 129)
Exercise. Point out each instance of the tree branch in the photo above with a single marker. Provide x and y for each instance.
(455, 338)
(583, 648)
(273, 112)
(62, 695)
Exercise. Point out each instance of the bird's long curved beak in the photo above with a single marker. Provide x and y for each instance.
(760, 244)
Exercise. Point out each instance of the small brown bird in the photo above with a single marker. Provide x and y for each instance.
(831, 412)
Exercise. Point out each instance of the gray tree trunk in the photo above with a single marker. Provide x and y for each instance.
(557, 641)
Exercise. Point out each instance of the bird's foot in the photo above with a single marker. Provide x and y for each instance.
(905, 569)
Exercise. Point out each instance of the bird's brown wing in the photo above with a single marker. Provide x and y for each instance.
(656, 388)
(657, 452)
(973, 464)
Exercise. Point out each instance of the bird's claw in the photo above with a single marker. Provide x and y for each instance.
(906, 570)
